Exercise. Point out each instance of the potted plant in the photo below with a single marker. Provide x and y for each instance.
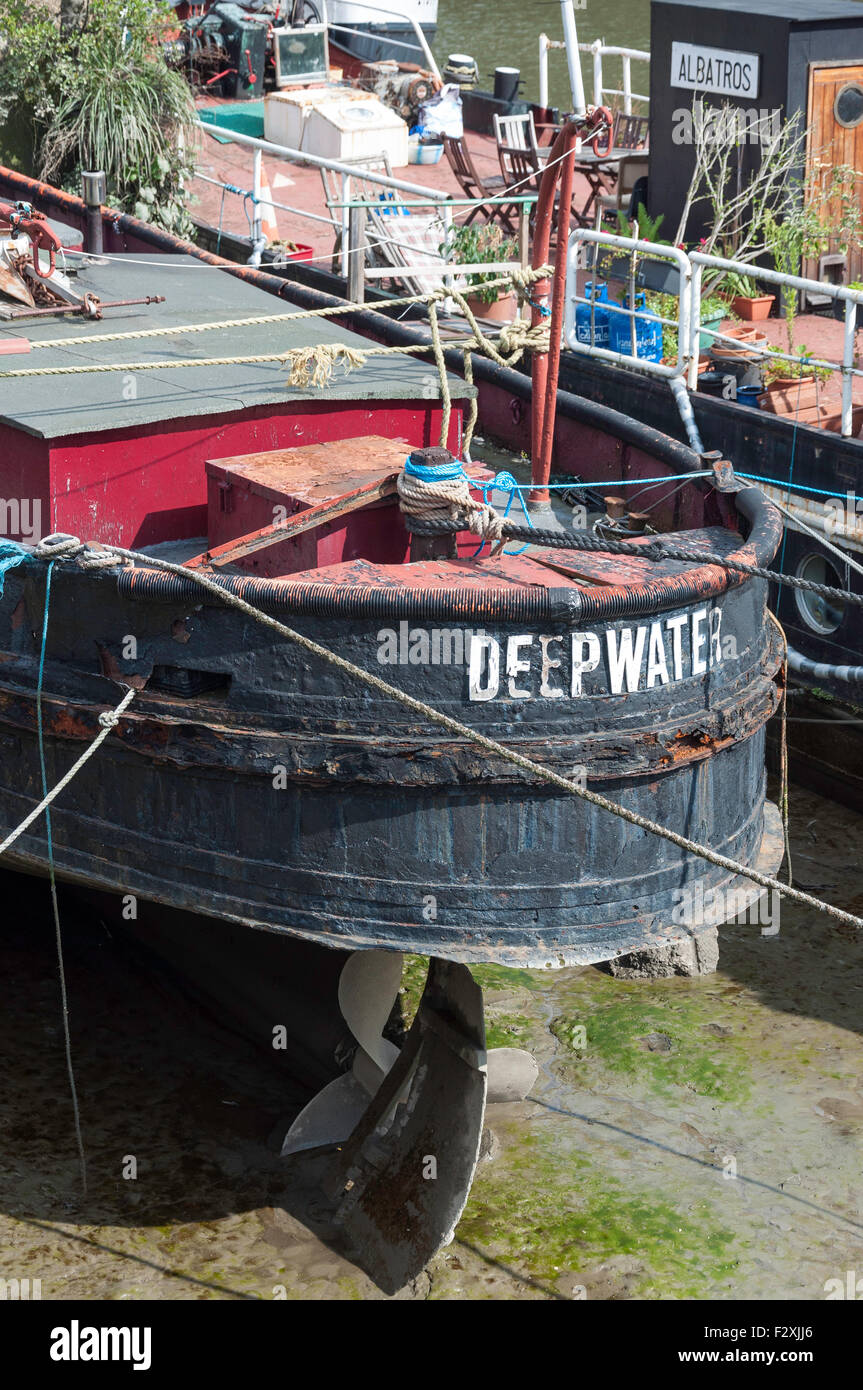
(713, 310)
(793, 387)
(478, 246)
(746, 302)
(659, 276)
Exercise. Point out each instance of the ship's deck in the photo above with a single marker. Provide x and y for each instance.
(195, 293)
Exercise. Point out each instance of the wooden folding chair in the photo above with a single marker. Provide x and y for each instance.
(629, 132)
(518, 132)
(473, 185)
(630, 169)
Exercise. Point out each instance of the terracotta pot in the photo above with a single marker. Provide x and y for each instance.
(503, 310)
(753, 308)
(834, 422)
(752, 343)
(792, 395)
(703, 363)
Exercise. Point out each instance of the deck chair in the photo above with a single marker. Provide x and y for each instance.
(629, 132)
(473, 185)
(630, 169)
(413, 241)
(518, 132)
(360, 188)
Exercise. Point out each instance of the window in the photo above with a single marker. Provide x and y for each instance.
(819, 614)
(848, 106)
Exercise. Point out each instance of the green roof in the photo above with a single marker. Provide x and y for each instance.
(195, 293)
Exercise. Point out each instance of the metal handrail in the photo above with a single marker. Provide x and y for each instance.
(631, 245)
(852, 299)
(692, 266)
(599, 50)
(305, 157)
(409, 19)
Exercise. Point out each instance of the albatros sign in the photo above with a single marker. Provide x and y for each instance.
(719, 70)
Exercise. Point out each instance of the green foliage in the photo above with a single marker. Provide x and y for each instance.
(741, 286)
(811, 215)
(648, 227)
(479, 245)
(779, 368)
(101, 96)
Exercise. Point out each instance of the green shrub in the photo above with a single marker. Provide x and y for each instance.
(101, 96)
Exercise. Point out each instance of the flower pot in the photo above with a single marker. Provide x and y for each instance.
(753, 308)
(793, 395)
(502, 310)
(747, 343)
(834, 422)
(706, 339)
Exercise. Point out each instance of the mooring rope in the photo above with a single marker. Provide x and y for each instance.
(443, 493)
(55, 905)
(654, 550)
(520, 278)
(455, 726)
(312, 367)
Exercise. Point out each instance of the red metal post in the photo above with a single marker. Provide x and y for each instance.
(546, 365)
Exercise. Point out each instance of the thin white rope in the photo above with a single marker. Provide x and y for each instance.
(108, 720)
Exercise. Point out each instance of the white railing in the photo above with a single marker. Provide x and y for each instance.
(796, 283)
(599, 50)
(691, 268)
(584, 236)
(347, 171)
(421, 43)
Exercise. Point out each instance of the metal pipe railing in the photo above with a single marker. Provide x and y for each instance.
(632, 312)
(797, 283)
(337, 165)
(599, 50)
(422, 42)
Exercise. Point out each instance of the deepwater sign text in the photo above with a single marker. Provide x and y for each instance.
(720, 70)
(636, 658)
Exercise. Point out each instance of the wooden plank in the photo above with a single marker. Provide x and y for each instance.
(308, 520)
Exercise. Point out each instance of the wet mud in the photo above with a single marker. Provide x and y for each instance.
(686, 1138)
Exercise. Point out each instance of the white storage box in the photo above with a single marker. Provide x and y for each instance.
(335, 123)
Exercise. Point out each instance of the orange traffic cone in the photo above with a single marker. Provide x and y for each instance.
(269, 225)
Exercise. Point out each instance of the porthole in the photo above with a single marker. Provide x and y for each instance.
(820, 614)
(848, 106)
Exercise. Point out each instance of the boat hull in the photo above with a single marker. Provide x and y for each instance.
(291, 799)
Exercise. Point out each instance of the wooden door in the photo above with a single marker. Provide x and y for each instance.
(836, 138)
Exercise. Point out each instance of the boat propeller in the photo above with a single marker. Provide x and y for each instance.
(392, 1146)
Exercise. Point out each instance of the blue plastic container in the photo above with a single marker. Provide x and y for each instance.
(748, 395)
(600, 317)
(648, 332)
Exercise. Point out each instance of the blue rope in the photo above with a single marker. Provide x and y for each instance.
(53, 880)
(600, 482)
(11, 555)
(798, 487)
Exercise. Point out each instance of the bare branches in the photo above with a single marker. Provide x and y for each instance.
(739, 200)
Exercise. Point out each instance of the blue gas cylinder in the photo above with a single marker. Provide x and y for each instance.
(648, 331)
(600, 316)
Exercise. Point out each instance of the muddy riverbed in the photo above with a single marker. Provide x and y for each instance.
(685, 1139)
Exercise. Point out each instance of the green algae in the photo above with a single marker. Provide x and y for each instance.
(508, 1030)
(618, 1019)
(552, 1214)
(501, 977)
